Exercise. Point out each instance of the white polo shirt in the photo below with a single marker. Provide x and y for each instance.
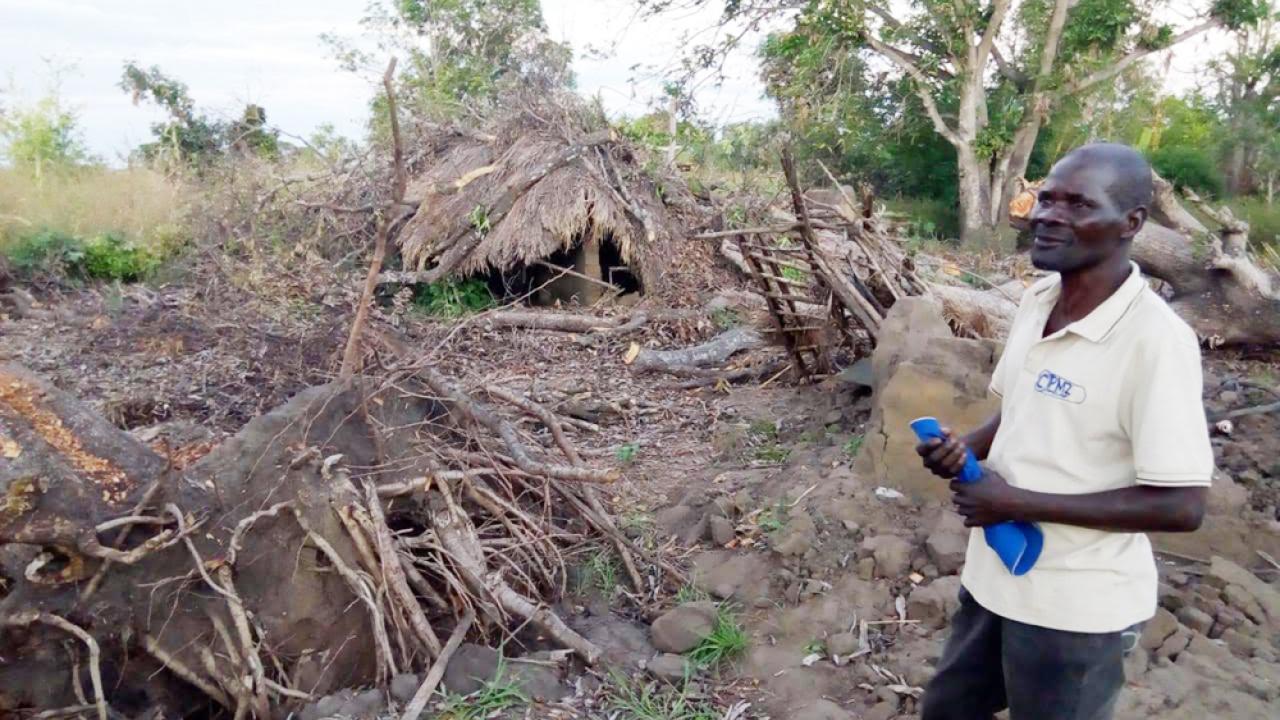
(1110, 401)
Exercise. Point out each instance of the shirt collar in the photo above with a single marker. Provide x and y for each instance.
(1095, 326)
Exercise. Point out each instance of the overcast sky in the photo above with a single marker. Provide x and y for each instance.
(235, 51)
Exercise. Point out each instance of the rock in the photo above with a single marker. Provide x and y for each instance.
(883, 710)
(537, 681)
(470, 667)
(1158, 629)
(858, 375)
(681, 628)
(720, 530)
(404, 686)
(684, 522)
(1240, 599)
(934, 603)
(892, 554)
(367, 703)
(948, 543)
(842, 644)
(1226, 497)
(1174, 644)
(1228, 398)
(797, 537)
(833, 418)
(1206, 648)
(621, 643)
(1196, 619)
(330, 705)
(669, 667)
(1224, 573)
(1135, 664)
(866, 568)
(821, 709)
(920, 368)
(1240, 645)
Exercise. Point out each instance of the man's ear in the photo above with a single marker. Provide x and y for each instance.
(1136, 218)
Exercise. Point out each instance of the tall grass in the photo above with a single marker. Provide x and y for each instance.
(137, 204)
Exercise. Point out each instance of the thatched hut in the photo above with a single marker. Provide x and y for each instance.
(552, 209)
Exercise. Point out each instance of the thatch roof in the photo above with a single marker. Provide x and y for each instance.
(527, 189)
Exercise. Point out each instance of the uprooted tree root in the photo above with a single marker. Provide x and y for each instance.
(332, 542)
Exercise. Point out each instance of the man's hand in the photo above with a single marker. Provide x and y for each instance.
(989, 501)
(944, 458)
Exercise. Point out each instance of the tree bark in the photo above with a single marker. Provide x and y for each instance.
(976, 228)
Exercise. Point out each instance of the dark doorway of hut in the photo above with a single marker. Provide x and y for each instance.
(582, 275)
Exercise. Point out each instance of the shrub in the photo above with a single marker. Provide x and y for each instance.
(1188, 167)
(452, 298)
(104, 257)
(930, 218)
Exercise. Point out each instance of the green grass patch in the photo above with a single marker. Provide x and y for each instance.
(854, 445)
(453, 298)
(106, 256)
(498, 694)
(691, 593)
(773, 454)
(635, 699)
(763, 430)
(600, 572)
(725, 318)
(728, 640)
(627, 453)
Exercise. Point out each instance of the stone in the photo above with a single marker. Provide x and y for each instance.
(858, 375)
(842, 644)
(821, 709)
(892, 555)
(1240, 599)
(1196, 619)
(948, 543)
(470, 667)
(404, 686)
(686, 523)
(883, 710)
(833, 417)
(920, 368)
(1228, 398)
(866, 568)
(1135, 663)
(1174, 644)
(1224, 573)
(1240, 645)
(621, 643)
(1159, 628)
(1213, 650)
(682, 628)
(367, 703)
(537, 680)
(669, 667)
(330, 705)
(796, 537)
(934, 603)
(721, 530)
(1226, 496)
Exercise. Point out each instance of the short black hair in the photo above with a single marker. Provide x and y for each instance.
(1133, 185)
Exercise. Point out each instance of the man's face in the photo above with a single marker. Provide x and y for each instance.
(1075, 222)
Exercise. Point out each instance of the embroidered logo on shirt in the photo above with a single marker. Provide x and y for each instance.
(1054, 385)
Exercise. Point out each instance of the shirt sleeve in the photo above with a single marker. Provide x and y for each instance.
(1167, 423)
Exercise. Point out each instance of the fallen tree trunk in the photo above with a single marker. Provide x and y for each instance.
(713, 352)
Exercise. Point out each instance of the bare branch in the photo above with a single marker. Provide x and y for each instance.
(922, 87)
(1128, 60)
(988, 41)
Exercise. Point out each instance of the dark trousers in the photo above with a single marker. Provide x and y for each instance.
(990, 663)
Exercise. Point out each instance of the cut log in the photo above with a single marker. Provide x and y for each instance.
(713, 352)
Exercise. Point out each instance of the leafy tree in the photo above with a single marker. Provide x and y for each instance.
(987, 73)
(1248, 83)
(42, 137)
(460, 54)
(189, 136)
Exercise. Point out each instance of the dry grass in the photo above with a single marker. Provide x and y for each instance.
(137, 203)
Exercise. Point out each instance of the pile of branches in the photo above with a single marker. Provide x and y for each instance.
(396, 512)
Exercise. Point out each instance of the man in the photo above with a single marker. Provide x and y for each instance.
(1101, 437)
